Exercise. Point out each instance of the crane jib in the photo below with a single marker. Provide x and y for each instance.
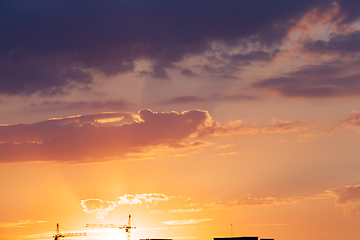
(106, 225)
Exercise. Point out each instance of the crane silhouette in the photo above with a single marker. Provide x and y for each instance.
(59, 235)
(127, 227)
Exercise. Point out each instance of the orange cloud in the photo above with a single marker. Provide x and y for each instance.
(352, 120)
(214, 128)
(185, 210)
(284, 127)
(247, 201)
(347, 197)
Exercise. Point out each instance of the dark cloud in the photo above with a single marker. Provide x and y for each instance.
(326, 80)
(107, 105)
(239, 97)
(26, 75)
(349, 11)
(222, 72)
(192, 99)
(46, 46)
(338, 43)
(260, 55)
(188, 72)
(184, 99)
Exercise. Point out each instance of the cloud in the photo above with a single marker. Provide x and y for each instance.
(185, 210)
(27, 74)
(129, 199)
(187, 221)
(192, 99)
(347, 197)
(184, 99)
(152, 197)
(221, 72)
(352, 120)
(238, 97)
(57, 105)
(330, 79)
(116, 136)
(139, 198)
(349, 11)
(348, 43)
(197, 143)
(337, 76)
(188, 73)
(20, 223)
(98, 207)
(249, 201)
(235, 127)
(89, 138)
(284, 127)
(259, 55)
(59, 55)
(222, 147)
(156, 212)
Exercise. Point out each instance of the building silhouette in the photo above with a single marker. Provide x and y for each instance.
(242, 238)
(237, 238)
(156, 239)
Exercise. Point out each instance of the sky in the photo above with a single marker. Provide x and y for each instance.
(201, 119)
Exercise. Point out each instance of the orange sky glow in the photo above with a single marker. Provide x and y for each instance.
(196, 124)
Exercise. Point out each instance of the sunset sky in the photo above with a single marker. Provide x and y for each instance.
(192, 116)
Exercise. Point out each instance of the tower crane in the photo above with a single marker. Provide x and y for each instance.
(127, 227)
(59, 235)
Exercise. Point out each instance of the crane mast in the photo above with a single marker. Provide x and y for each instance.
(127, 227)
(59, 235)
